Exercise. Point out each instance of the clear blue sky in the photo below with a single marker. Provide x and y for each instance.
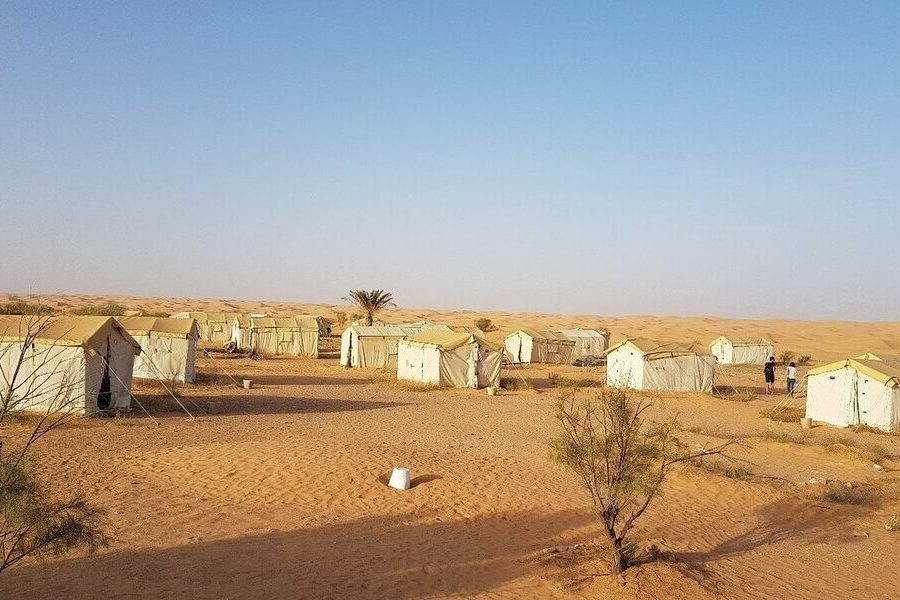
(671, 158)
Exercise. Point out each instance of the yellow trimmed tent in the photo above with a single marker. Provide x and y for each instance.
(168, 347)
(532, 346)
(284, 336)
(74, 364)
(734, 351)
(215, 327)
(449, 358)
(588, 342)
(855, 391)
(642, 364)
(375, 346)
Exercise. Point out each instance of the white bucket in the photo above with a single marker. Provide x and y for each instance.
(248, 383)
(492, 391)
(399, 478)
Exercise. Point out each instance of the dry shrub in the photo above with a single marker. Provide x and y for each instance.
(484, 324)
(513, 384)
(736, 393)
(893, 523)
(729, 470)
(840, 494)
(19, 307)
(567, 382)
(783, 414)
(103, 310)
(786, 356)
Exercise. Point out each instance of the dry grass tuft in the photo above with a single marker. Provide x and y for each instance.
(783, 414)
(840, 494)
(560, 381)
(514, 384)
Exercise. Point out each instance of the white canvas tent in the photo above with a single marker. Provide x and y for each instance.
(643, 364)
(168, 347)
(449, 358)
(215, 327)
(375, 346)
(240, 329)
(855, 391)
(284, 336)
(734, 351)
(78, 364)
(588, 342)
(532, 346)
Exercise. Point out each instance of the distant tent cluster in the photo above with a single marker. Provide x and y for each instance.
(214, 327)
(734, 351)
(562, 347)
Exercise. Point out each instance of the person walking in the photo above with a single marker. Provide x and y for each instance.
(791, 378)
(769, 372)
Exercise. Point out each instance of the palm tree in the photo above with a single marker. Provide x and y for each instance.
(370, 301)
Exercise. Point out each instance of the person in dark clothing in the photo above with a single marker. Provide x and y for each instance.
(769, 372)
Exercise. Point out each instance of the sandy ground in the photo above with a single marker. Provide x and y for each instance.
(280, 496)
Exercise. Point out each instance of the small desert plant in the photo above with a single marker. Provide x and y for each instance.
(340, 318)
(512, 384)
(558, 380)
(105, 310)
(840, 494)
(804, 359)
(786, 357)
(893, 524)
(731, 471)
(737, 393)
(484, 324)
(621, 459)
(783, 414)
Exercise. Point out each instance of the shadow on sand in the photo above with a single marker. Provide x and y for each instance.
(404, 556)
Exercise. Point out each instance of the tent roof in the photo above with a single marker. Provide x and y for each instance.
(546, 336)
(743, 342)
(451, 340)
(204, 317)
(87, 332)
(652, 349)
(885, 371)
(583, 333)
(184, 328)
(303, 323)
(392, 331)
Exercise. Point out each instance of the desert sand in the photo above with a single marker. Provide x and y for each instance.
(282, 495)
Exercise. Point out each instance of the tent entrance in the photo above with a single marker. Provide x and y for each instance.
(104, 397)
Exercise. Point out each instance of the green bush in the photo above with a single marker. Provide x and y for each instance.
(786, 356)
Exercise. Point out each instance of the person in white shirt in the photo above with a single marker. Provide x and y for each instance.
(791, 378)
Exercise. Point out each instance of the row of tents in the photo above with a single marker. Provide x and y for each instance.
(261, 333)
